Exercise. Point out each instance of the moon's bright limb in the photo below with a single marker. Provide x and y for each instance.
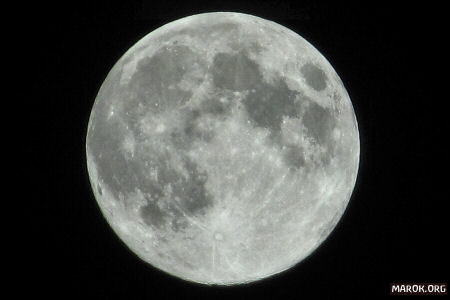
(222, 148)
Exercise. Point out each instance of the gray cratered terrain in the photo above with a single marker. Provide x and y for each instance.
(222, 148)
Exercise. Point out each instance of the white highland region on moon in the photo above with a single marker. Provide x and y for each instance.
(222, 148)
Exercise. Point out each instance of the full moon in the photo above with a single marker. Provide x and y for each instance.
(222, 148)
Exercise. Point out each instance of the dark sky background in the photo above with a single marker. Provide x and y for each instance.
(391, 60)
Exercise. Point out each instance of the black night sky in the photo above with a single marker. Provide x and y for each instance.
(391, 61)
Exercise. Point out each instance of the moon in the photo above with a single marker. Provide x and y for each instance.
(222, 148)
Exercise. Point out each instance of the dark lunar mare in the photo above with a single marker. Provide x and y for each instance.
(148, 92)
(188, 195)
(268, 103)
(315, 77)
(150, 89)
(265, 104)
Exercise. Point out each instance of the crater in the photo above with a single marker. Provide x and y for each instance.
(99, 189)
(315, 77)
(218, 236)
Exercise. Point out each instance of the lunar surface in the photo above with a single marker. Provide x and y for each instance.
(222, 148)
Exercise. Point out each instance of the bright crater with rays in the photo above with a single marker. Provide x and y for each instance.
(222, 148)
